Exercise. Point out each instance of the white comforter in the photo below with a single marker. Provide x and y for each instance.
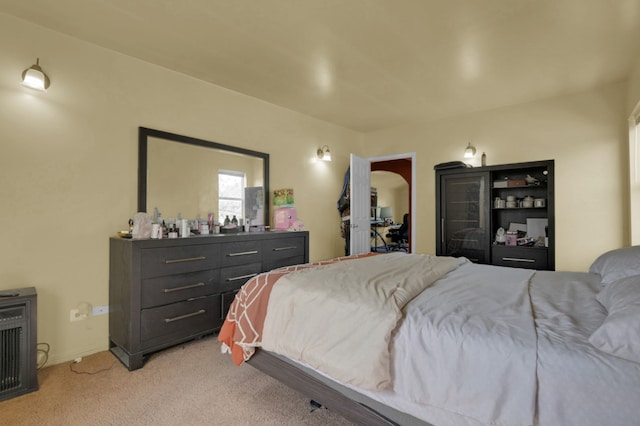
(318, 315)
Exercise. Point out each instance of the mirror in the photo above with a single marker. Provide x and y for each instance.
(179, 174)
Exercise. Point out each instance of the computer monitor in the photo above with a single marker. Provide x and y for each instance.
(386, 213)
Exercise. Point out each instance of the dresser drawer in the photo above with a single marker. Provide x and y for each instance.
(174, 288)
(241, 253)
(520, 257)
(179, 321)
(283, 252)
(176, 260)
(233, 277)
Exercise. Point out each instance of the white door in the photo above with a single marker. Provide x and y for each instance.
(360, 205)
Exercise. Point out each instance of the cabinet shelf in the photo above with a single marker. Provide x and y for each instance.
(519, 208)
(541, 186)
(506, 247)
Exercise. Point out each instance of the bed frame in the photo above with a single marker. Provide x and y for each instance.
(344, 401)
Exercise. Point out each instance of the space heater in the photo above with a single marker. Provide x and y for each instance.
(18, 344)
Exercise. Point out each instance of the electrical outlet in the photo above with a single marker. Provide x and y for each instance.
(100, 310)
(75, 315)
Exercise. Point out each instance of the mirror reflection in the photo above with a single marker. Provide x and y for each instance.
(185, 176)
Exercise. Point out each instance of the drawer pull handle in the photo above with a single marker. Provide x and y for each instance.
(518, 259)
(243, 253)
(241, 277)
(181, 317)
(186, 259)
(285, 248)
(184, 287)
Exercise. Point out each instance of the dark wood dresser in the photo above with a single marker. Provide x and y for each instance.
(165, 292)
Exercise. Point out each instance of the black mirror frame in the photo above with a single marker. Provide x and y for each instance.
(144, 133)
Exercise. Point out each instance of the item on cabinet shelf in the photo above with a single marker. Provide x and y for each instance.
(531, 180)
(452, 165)
(527, 202)
(155, 228)
(511, 198)
(500, 183)
(511, 238)
(537, 227)
(526, 241)
(518, 227)
(484, 159)
(500, 236)
(540, 203)
(516, 182)
(511, 204)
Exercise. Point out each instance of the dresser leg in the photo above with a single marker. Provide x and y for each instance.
(131, 361)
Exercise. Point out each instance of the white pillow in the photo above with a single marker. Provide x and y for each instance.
(616, 264)
(619, 334)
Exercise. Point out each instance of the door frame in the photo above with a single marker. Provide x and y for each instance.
(412, 214)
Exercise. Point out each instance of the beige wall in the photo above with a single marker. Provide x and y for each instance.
(586, 135)
(69, 166)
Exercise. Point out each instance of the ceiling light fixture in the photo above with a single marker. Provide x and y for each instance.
(470, 151)
(35, 78)
(324, 154)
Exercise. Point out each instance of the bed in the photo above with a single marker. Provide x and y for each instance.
(414, 339)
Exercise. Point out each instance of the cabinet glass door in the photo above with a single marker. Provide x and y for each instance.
(464, 216)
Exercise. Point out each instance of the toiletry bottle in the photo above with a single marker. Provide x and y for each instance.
(227, 221)
(234, 221)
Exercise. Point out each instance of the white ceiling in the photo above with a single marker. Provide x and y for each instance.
(366, 64)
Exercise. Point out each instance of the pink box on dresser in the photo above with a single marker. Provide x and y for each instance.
(284, 217)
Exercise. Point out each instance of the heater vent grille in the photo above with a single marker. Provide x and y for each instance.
(18, 369)
(11, 350)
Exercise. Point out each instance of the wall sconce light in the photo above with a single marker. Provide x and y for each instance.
(470, 152)
(324, 154)
(35, 78)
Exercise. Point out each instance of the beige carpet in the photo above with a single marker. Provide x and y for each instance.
(190, 384)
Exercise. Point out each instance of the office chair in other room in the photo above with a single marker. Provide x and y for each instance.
(400, 237)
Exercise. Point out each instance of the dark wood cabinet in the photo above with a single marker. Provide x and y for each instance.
(473, 204)
(463, 215)
(165, 292)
